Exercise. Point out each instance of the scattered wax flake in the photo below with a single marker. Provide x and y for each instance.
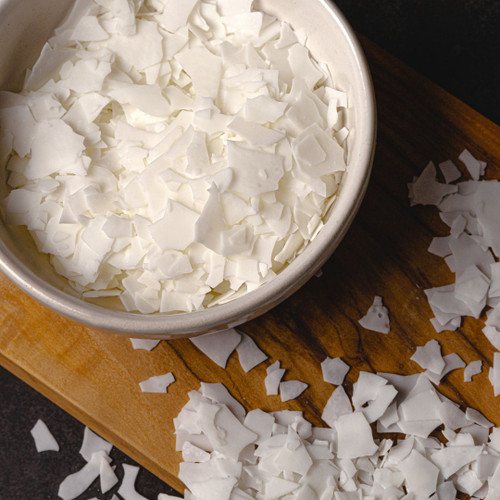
(261, 423)
(249, 354)
(75, 484)
(471, 287)
(219, 394)
(450, 460)
(493, 335)
(377, 317)
(273, 380)
(144, 344)
(477, 418)
(278, 488)
(450, 171)
(372, 396)
(425, 190)
(107, 475)
(291, 389)
(43, 438)
(451, 415)
(92, 443)
(495, 280)
(354, 436)
(494, 374)
(158, 383)
(127, 488)
(473, 368)
(421, 475)
(191, 453)
(452, 362)
(429, 357)
(334, 370)
(337, 405)
(218, 346)
(473, 166)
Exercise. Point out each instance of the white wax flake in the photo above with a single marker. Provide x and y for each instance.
(493, 335)
(429, 357)
(175, 229)
(75, 484)
(452, 362)
(175, 14)
(218, 346)
(355, 436)
(477, 418)
(43, 438)
(88, 29)
(204, 68)
(92, 443)
(473, 368)
(372, 395)
(425, 190)
(377, 317)
(473, 165)
(291, 389)
(334, 370)
(158, 383)
(191, 453)
(420, 474)
(107, 476)
(450, 171)
(273, 379)
(154, 138)
(249, 354)
(256, 172)
(127, 489)
(337, 405)
(144, 344)
(55, 148)
(494, 374)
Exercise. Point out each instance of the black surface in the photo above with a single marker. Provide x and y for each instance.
(453, 42)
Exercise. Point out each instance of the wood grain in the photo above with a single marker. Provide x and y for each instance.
(95, 376)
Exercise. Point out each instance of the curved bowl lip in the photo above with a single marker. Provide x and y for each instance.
(253, 303)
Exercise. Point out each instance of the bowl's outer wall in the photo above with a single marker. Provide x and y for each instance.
(25, 25)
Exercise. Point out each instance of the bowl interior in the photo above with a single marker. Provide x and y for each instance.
(24, 28)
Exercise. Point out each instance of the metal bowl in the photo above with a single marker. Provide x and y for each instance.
(25, 25)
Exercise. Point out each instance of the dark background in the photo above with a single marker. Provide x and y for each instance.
(455, 43)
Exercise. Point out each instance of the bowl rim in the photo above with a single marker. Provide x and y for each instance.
(251, 304)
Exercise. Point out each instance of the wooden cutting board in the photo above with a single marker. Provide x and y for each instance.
(95, 376)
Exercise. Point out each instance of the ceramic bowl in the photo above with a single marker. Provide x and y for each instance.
(25, 25)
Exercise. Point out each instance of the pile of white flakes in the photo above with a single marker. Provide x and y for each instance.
(232, 455)
(174, 154)
(471, 209)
